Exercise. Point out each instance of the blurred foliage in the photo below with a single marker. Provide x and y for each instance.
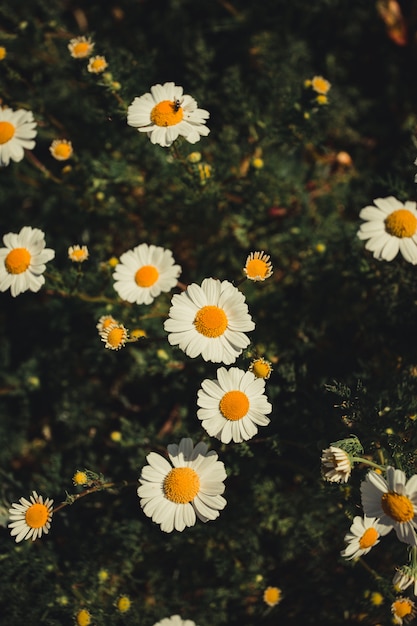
(337, 325)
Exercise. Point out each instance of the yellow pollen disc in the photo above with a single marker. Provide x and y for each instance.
(398, 507)
(116, 336)
(401, 223)
(123, 604)
(146, 276)
(321, 85)
(402, 607)
(234, 405)
(261, 368)
(83, 618)
(63, 150)
(7, 131)
(80, 478)
(37, 515)
(211, 321)
(257, 267)
(272, 595)
(181, 485)
(17, 261)
(368, 539)
(81, 49)
(166, 114)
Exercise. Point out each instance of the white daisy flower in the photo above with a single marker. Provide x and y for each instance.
(336, 465)
(114, 336)
(210, 320)
(403, 610)
(404, 577)
(175, 620)
(390, 227)
(78, 254)
(80, 47)
(258, 266)
(17, 132)
(97, 64)
(393, 501)
(233, 405)
(166, 113)
(174, 496)
(363, 535)
(30, 518)
(61, 149)
(145, 272)
(22, 261)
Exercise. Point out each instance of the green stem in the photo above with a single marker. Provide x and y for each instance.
(73, 498)
(359, 459)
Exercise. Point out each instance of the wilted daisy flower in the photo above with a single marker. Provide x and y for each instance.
(258, 266)
(22, 261)
(336, 465)
(17, 132)
(404, 577)
(233, 405)
(390, 226)
(210, 320)
(114, 336)
(320, 85)
(77, 253)
(145, 272)
(123, 604)
(166, 113)
(30, 518)
(61, 149)
(261, 368)
(105, 321)
(97, 64)
(403, 610)
(174, 496)
(83, 617)
(363, 535)
(80, 47)
(393, 501)
(175, 620)
(272, 596)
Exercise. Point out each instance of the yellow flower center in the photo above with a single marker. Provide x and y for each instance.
(320, 84)
(401, 223)
(272, 595)
(166, 113)
(398, 507)
(80, 478)
(116, 336)
(7, 131)
(181, 485)
(234, 405)
(256, 268)
(3, 53)
(98, 65)
(402, 607)
(37, 515)
(17, 261)
(368, 539)
(78, 255)
(146, 276)
(261, 368)
(63, 150)
(83, 618)
(211, 321)
(81, 49)
(123, 604)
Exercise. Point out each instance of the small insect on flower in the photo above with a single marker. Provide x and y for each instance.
(30, 518)
(177, 104)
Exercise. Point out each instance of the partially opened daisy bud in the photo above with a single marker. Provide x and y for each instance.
(233, 406)
(105, 321)
(175, 620)
(97, 65)
(22, 261)
(403, 610)
(166, 113)
(30, 518)
(258, 266)
(272, 596)
(78, 254)
(80, 478)
(261, 368)
(114, 336)
(336, 465)
(61, 149)
(210, 320)
(3, 53)
(174, 495)
(144, 273)
(363, 535)
(80, 47)
(320, 85)
(83, 617)
(123, 604)
(17, 133)
(390, 227)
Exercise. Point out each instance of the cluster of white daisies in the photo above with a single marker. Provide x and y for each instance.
(388, 503)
